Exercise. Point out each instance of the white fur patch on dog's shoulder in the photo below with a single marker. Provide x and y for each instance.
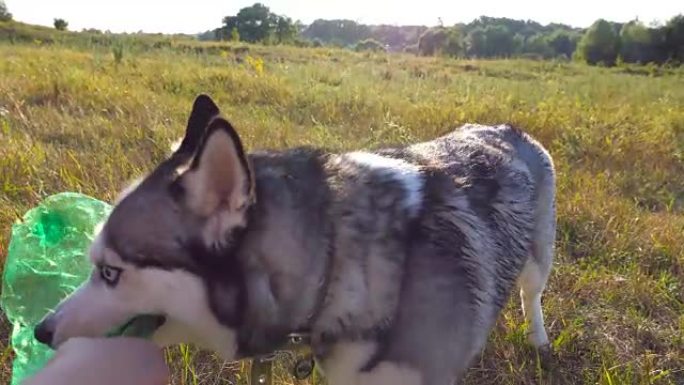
(407, 174)
(175, 145)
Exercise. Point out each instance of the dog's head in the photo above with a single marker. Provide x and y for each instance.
(167, 247)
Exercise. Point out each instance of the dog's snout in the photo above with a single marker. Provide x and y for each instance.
(44, 332)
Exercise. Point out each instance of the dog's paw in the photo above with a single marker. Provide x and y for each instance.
(545, 356)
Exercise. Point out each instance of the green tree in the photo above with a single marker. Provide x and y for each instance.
(285, 29)
(441, 41)
(636, 43)
(674, 39)
(539, 45)
(254, 23)
(454, 44)
(518, 43)
(600, 44)
(257, 23)
(61, 24)
(499, 41)
(432, 41)
(234, 34)
(5, 15)
(476, 43)
(563, 42)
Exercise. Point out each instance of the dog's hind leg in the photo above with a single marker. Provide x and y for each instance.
(532, 282)
(536, 271)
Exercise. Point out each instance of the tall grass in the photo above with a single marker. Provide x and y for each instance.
(73, 117)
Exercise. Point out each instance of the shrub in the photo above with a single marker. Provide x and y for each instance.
(369, 45)
(118, 52)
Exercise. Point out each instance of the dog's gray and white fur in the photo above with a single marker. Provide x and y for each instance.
(397, 260)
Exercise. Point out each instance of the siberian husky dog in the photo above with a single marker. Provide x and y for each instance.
(397, 261)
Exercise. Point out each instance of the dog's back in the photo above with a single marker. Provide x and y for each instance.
(486, 219)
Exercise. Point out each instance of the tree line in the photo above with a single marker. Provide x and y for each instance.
(633, 42)
(603, 42)
(489, 37)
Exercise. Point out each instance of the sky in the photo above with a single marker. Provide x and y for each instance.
(200, 15)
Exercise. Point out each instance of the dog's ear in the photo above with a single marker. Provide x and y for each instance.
(204, 110)
(219, 185)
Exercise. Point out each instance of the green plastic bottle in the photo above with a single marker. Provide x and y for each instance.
(46, 261)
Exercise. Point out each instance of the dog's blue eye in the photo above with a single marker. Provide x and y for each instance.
(110, 274)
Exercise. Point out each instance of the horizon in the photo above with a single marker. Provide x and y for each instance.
(134, 16)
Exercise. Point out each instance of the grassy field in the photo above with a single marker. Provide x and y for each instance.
(89, 117)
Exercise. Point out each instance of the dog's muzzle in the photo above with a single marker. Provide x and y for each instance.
(142, 326)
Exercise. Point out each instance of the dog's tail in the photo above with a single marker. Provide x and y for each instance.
(541, 167)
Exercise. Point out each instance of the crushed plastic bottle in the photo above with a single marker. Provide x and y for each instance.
(46, 261)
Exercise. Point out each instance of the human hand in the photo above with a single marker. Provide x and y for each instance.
(104, 361)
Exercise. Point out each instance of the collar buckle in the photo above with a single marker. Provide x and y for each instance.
(295, 355)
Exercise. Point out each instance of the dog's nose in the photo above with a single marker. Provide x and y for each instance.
(44, 333)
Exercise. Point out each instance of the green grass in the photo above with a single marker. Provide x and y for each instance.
(78, 115)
